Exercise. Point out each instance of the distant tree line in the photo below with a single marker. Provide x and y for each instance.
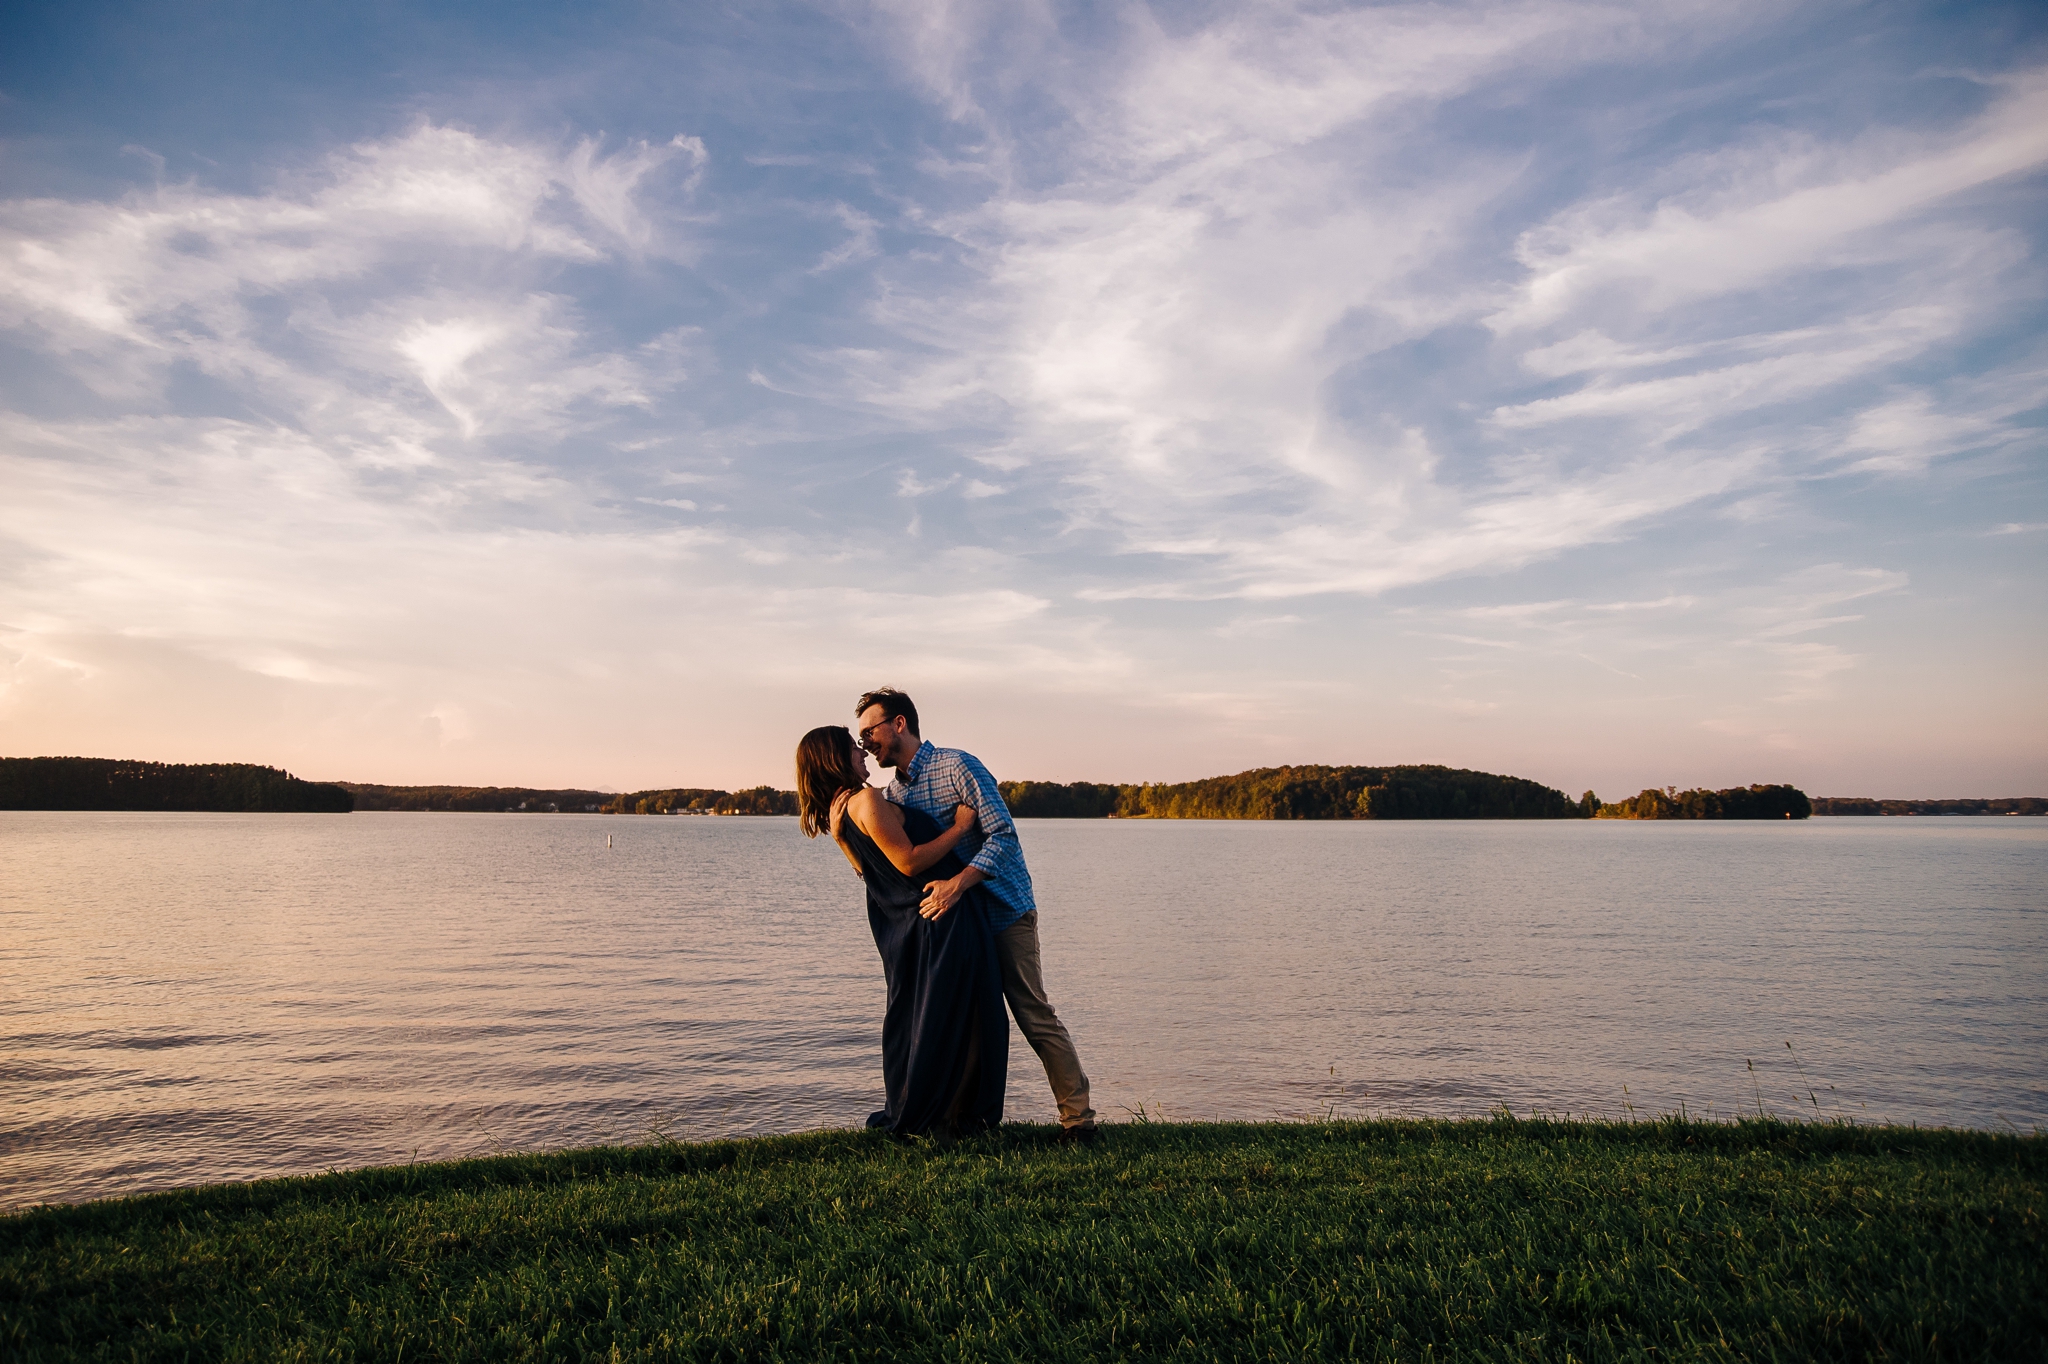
(755, 800)
(759, 800)
(1863, 805)
(1056, 800)
(1741, 802)
(473, 799)
(1305, 792)
(123, 784)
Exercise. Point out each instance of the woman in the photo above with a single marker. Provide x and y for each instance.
(945, 1034)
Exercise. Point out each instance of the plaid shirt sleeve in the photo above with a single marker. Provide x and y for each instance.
(944, 778)
(1001, 858)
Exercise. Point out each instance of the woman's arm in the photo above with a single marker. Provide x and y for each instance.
(883, 822)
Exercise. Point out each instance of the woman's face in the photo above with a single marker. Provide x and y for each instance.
(860, 763)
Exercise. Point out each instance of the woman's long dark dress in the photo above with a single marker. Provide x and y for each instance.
(946, 1035)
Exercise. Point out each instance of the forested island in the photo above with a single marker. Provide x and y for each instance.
(1305, 792)
(1788, 802)
(1864, 805)
(1741, 802)
(755, 800)
(246, 788)
(123, 784)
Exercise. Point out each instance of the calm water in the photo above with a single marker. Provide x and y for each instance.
(190, 998)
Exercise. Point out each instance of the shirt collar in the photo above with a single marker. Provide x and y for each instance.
(916, 764)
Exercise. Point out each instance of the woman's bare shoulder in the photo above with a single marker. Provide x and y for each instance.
(868, 807)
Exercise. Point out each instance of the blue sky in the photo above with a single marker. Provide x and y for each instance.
(1612, 395)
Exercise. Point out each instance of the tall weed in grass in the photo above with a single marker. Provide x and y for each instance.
(1376, 1240)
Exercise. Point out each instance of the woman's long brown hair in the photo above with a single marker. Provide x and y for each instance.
(824, 768)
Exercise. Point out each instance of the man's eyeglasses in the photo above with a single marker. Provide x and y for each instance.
(867, 736)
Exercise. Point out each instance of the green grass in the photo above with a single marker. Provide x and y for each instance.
(1396, 1240)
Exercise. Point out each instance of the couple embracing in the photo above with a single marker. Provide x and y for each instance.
(950, 903)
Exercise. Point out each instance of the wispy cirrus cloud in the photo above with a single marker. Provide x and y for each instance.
(1255, 370)
(1738, 657)
(1734, 219)
(1180, 317)
(341, 279)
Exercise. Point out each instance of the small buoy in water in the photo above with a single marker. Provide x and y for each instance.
(607, 840)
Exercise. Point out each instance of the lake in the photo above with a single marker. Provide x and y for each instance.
(191, 998)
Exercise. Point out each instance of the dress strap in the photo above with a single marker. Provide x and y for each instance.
(843, 826)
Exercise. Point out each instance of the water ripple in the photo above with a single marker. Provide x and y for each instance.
(194, 998)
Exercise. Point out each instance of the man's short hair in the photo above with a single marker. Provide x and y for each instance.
(893, 704)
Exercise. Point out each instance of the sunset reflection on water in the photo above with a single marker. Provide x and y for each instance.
(192, 998)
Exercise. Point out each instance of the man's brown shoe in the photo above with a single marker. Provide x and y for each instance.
(1081, 1134)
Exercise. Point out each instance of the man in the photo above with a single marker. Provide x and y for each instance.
(937, 781)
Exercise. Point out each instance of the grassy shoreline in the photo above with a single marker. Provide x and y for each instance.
(1384, 1239)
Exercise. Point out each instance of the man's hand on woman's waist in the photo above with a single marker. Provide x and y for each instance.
(940, 896)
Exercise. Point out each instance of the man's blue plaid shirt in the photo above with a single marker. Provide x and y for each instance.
(937, 780)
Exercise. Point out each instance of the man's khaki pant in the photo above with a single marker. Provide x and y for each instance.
(1024, 987)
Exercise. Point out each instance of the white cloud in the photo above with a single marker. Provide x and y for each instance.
(1166, 325)
(355, 299)
(1788, 208)
(1175, 319)
(1745, 659)
(908, 484)
(88, 273)
(607, 187)
(1912, 427)
(1808, 361)
(860, 240)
